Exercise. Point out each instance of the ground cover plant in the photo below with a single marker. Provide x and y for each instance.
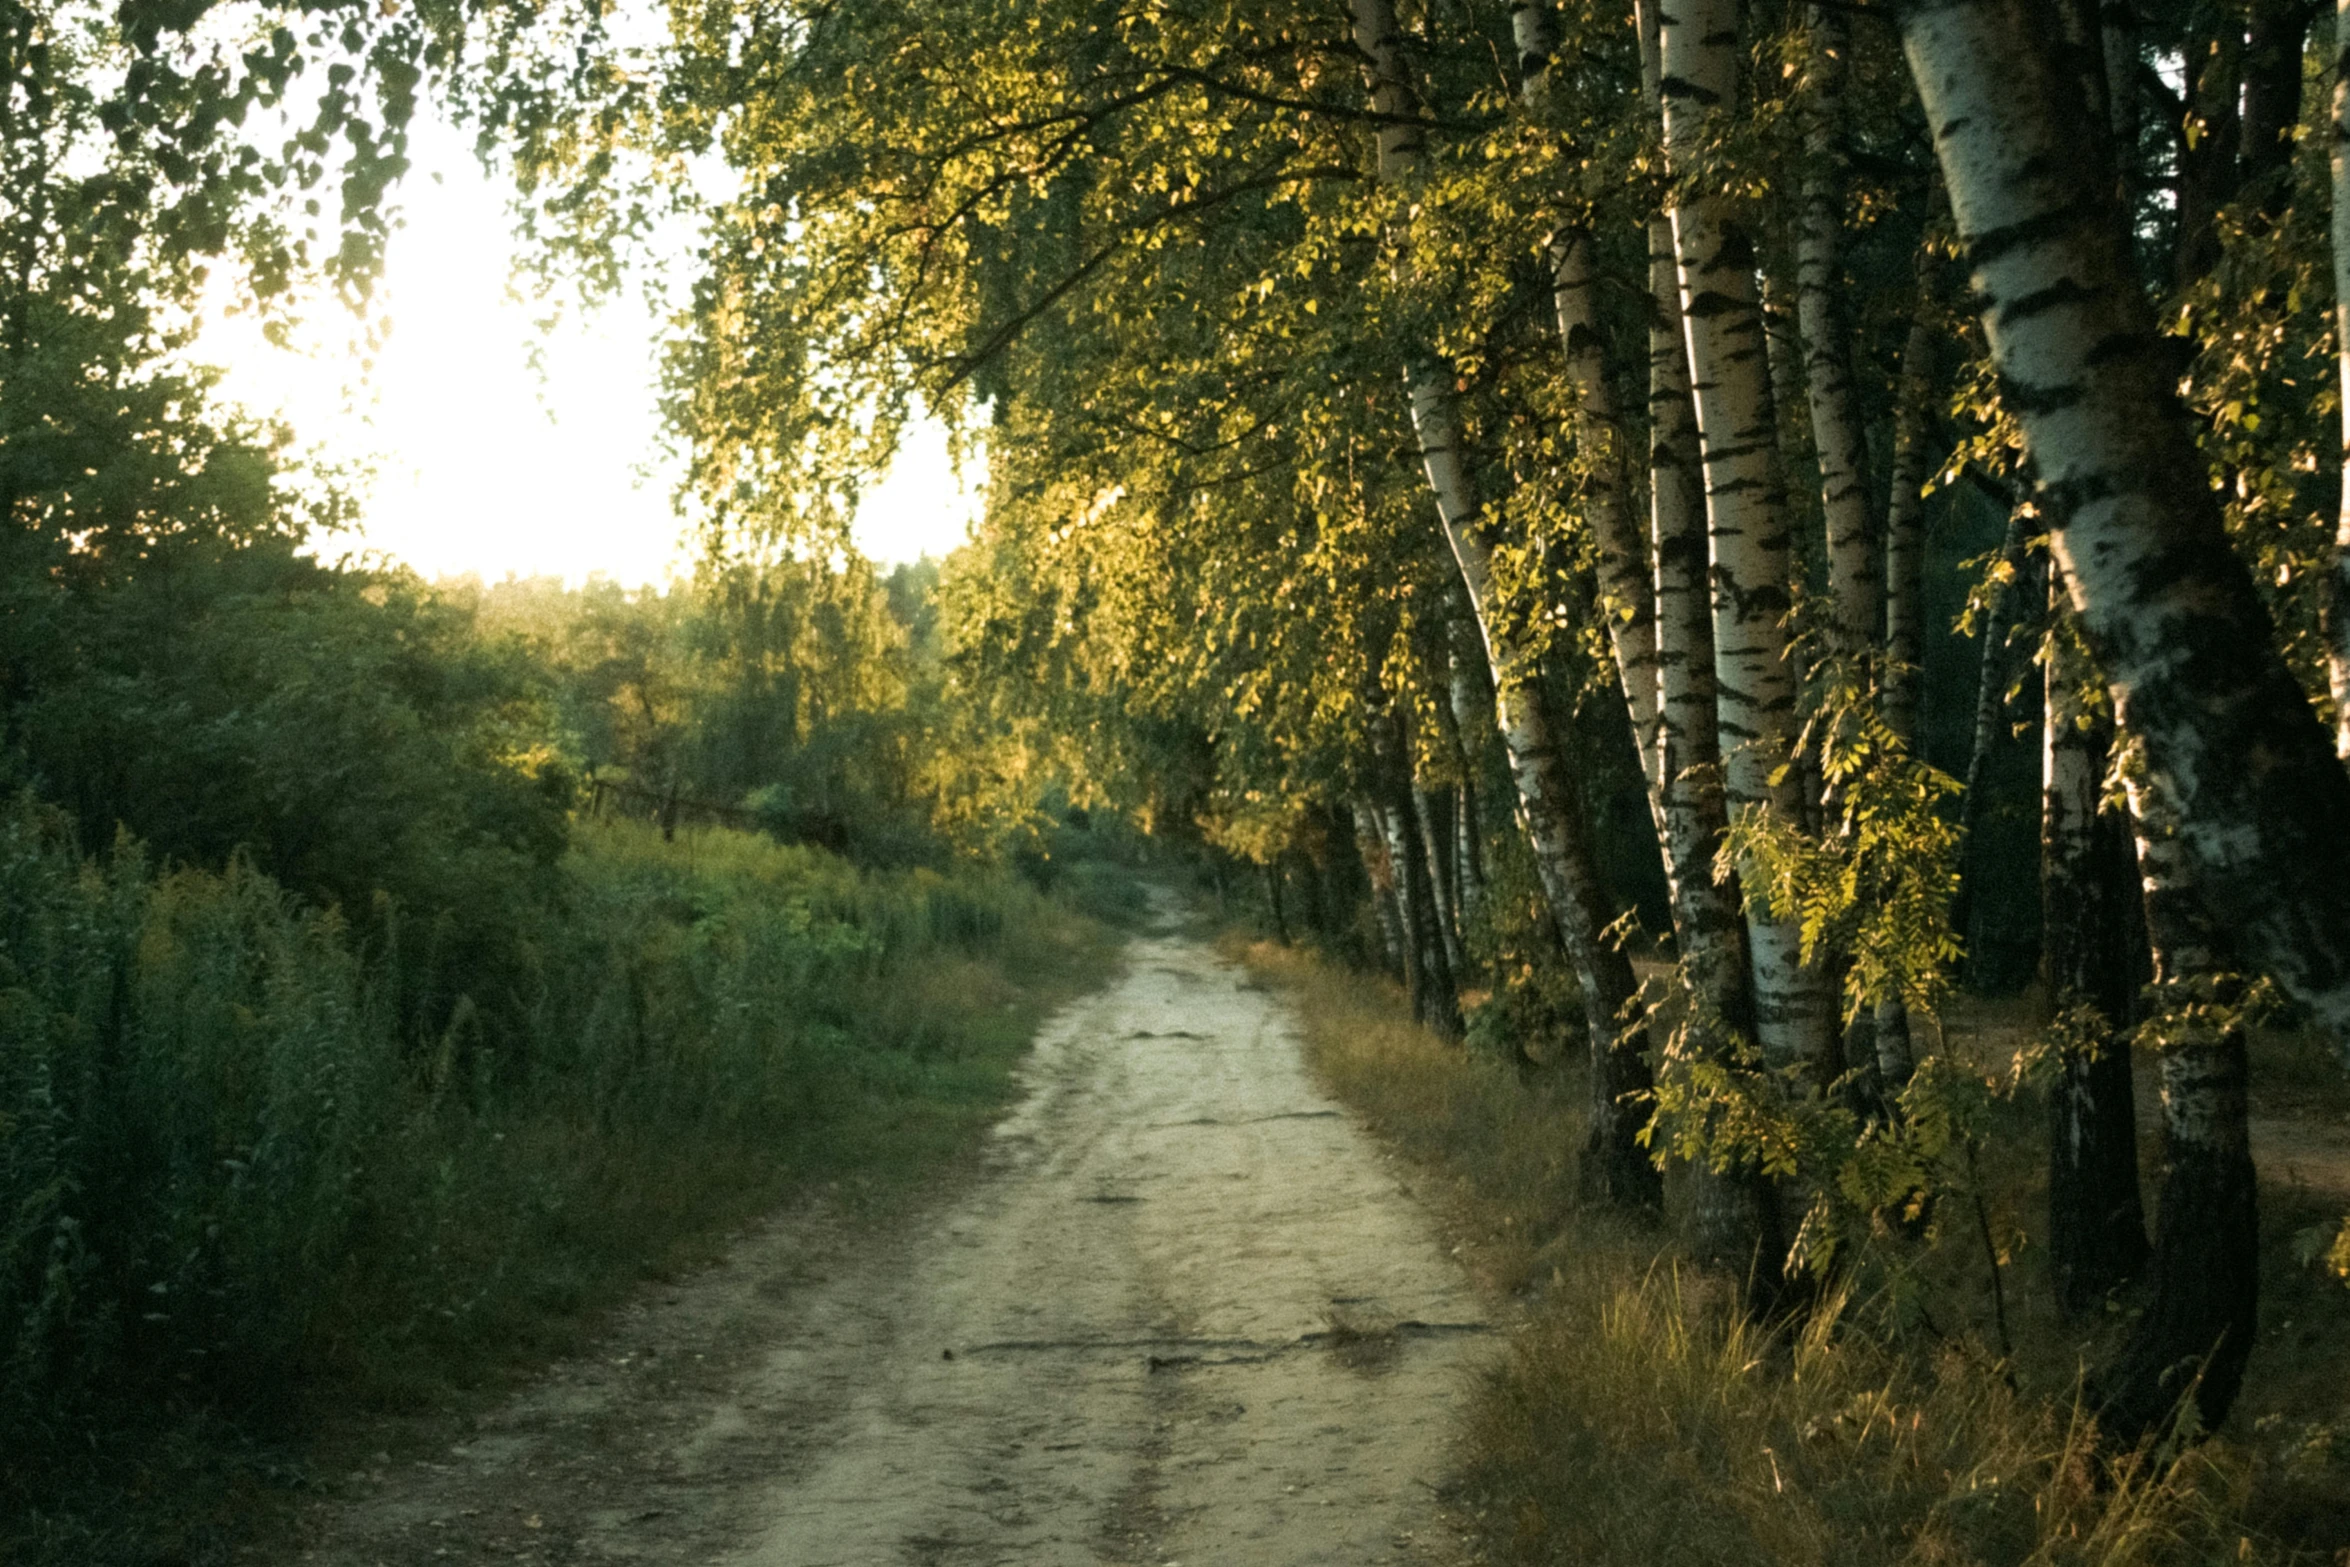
(1704, 541)
(1639, 1414)
(239, 1195)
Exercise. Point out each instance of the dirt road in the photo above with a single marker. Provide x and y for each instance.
(1184, 1313)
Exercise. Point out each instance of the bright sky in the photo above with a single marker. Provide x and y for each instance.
(483, 466)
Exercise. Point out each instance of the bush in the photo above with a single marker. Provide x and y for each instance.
(193, 1081)
(346, 732)
(227, 1177)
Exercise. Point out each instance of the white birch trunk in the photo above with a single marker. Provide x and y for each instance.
(2197, 1329)
(1550, 803)
(1436, 1001)
(1603, 449)
(1625, 601)
(1735, 1215)
(1436, 844)
(1854, 583)
(1466, 851)
(1371, 846)
(1467, 717)
(1745, 513)
(1530, 30)
(1905, 533)
(1688, 742)
(1901, 670)
(1783, 351)
(2169, 612)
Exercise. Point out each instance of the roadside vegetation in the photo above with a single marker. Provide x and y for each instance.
(1784, 562)
(242, 1194)
(393, 975)
(1639, 1415)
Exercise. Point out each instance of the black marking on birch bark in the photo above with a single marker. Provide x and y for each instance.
(1680, 87)
(2057, 223)
(2027, 399)
(2055, 296)
(2120, 348)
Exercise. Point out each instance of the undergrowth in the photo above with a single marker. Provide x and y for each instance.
(1639, 1418)
(234, 1192)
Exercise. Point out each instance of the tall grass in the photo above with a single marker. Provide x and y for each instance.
(228, 1181)
(1638, 1418)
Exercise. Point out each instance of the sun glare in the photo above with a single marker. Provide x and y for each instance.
(482, 463)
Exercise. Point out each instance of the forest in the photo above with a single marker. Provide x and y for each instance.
(1781, 569)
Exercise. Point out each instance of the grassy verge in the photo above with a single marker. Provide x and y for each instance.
(239, 1201)
(1637, 1419)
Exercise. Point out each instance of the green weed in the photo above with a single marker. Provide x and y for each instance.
(233, 1190)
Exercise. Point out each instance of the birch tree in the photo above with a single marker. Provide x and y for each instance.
(2096, 1222)
(2196, 1332)
(2169, 614)
(1855, 582)
(1746, 522)
(1551, 805)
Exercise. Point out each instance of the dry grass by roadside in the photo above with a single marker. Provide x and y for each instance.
(1638, 1421)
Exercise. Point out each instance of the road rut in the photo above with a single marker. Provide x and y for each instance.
(1184, 1311)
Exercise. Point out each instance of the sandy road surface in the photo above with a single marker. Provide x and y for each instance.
(1184, 1313)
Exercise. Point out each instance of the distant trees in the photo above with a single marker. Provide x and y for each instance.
(1318, 356)
(1479, 464)
(809, 697)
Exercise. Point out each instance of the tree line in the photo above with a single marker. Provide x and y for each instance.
(1391, 407)
(1507, 459)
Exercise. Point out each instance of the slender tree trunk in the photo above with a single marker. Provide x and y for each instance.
(1436, 839)
(1469, 717)
(1530, 30)
(1387, 907)
(1905, 556)
(2096, 1223)
(1468, 853)
(1783, 353)
(1734, 1215)
(1436, 1001)
(2206, 145)
(1745, 511)
(1435, 990)
(1855, 575)
(2273, 48)
(1549, 794)
(2337, 605)
(1706, 921)
(2195, 1334)
(1990, 703)
(1272, 875)
(1905, 531)
(1643, 582)
(2168, 611)
(1626, 605)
